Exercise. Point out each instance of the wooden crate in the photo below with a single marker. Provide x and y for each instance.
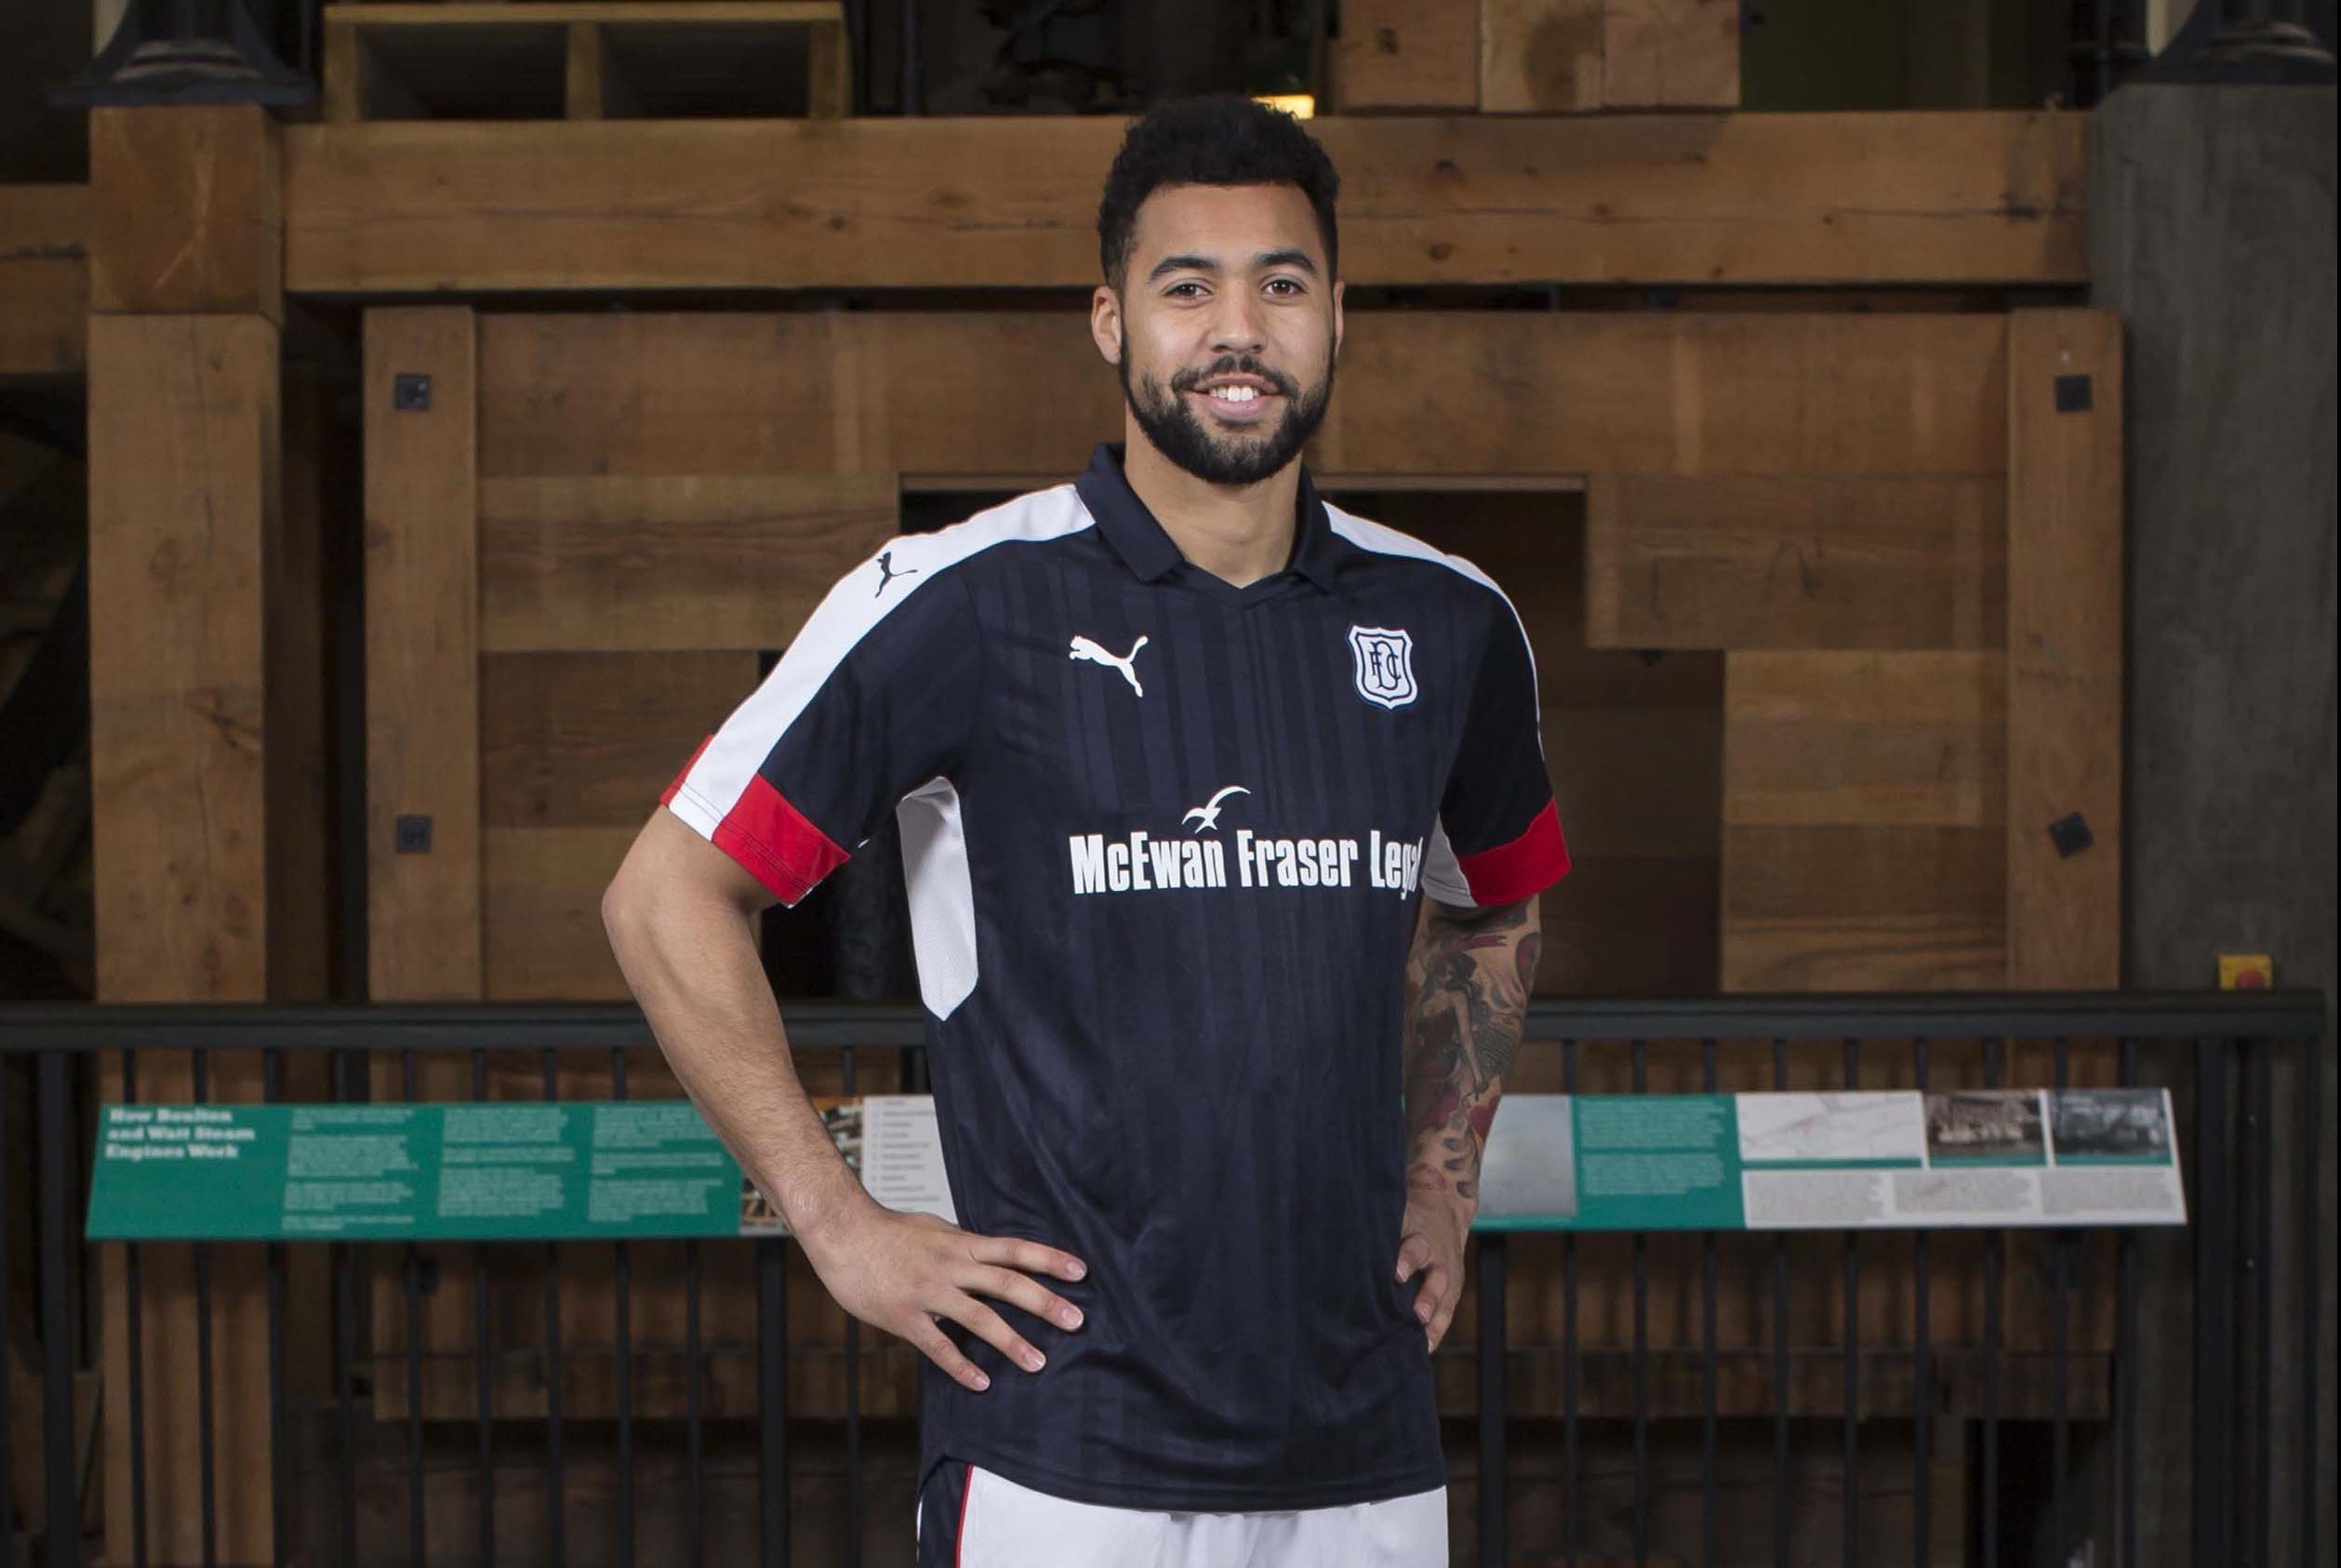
(585, 59)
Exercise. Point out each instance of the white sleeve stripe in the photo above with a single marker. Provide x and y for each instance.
(845, 615)
(1383, 539)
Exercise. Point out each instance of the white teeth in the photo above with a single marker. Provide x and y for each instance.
(1235, 394)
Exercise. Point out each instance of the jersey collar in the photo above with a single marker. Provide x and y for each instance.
(1151, 554)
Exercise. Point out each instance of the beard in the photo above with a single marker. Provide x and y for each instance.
(1236, 456)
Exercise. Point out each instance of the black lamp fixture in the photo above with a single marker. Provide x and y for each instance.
(194, 51)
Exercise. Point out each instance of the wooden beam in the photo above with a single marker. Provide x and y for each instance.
(1405, 54)
(1798, 561)
(188, 211)
(422, 662)
(647, 393)
(1823, 199)
(183, 512)
(598, 561)
(44, 279)
(1546, 56)
(2065, 613)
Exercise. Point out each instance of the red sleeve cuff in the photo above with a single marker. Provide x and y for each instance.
(1531, 862)
(776, 843)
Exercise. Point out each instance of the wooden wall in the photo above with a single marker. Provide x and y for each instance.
(1765, 560)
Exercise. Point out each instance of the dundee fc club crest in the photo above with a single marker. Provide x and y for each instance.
(1384, 665)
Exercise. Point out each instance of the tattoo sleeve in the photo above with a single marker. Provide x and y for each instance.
(1468, 981)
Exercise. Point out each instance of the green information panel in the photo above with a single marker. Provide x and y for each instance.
(585, 1170)
(351, 1172)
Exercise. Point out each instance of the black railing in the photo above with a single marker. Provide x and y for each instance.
(2223, 1056)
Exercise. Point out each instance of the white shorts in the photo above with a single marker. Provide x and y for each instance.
(983, 1520)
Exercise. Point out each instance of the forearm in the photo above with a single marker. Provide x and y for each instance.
(693, 966)
(1467, 979)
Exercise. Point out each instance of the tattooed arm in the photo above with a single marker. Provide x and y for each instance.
(1468, 981)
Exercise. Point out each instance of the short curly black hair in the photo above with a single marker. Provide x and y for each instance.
(1212, 138)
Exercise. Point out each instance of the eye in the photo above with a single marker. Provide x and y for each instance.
(1293, 284)
(1176, 287)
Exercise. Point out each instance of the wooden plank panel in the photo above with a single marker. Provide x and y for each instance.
(1796, 562)
(422, 656)
(44, 279)
(589, 740)
(189, 214)
(2064, 605)
(1905, 198)
(1820, 739)
(600, 562)
(1863, 909)
(542, 911)
(184, 499)
(1630, 925)
(1541, 57)
(1670, 54)
(1405, 54)
(877, 393)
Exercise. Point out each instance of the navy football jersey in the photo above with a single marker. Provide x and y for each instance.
(1164, 839)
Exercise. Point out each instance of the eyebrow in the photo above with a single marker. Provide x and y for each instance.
(1296, 258)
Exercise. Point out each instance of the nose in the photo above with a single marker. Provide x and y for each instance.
(1237, 329)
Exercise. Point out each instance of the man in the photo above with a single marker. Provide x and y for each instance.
(1175, 748)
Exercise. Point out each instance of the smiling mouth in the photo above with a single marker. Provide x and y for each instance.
(1240, 405)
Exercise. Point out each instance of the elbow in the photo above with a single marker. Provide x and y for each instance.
(622, 911)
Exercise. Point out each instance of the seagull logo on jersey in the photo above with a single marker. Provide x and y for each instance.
(1085, 649)
(1385, 658)
(886, 573)
(1206, 816)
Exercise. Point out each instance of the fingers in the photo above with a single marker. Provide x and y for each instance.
(1017, 1253)
(993, 1329)
(943, 1353)
(1413, 1253)
(1436, 1302)
(1450, 1296)
(1025, 1290)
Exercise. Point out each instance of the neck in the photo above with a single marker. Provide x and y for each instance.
(1239, 533)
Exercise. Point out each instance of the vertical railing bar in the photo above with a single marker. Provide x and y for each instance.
(1572, 1477)
(1994, 1260)
(772, 1398)
(484, 1355)
(1491, 1401)
(2214, 1288)
(2125, 1367)
(854, 1507)
(2062, 1246)
(694, 1525)
(280, 1491)
(621, 1267)
(1710, 1433)
(1922, 1369)
(207, 1447)
(2308, 1160)
(1780, 1396)
(1640, 1058)
(417, 1527)
(346, 1337)
(134, 1325)
(2261, 1149)
(59, 1180)
(1851, 1264)
(556, 1474)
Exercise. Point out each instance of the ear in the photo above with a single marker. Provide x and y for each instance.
(1339, 287)
(1105, 323)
